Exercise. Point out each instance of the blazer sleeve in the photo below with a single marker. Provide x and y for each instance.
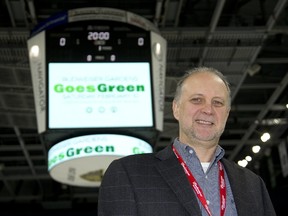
(116, 195)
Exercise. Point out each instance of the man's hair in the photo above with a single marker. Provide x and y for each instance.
(201, 69)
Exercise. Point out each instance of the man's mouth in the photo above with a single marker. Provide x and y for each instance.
(204, 122)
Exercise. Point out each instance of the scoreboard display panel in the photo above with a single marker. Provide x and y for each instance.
(99, 76)
(98, 68)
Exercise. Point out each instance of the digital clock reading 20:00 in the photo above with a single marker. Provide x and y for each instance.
(98, 36)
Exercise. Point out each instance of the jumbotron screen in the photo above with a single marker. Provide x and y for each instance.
(99, 76)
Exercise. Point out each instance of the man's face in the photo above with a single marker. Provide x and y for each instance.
(202, 109)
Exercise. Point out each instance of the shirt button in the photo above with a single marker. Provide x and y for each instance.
(191, 151)
(208, 202)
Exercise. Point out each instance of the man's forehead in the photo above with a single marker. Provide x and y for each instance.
(193, 86)
(201, 79)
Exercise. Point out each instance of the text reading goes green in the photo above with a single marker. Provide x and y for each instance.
(60, 88)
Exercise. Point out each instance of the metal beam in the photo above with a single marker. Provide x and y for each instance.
(260, 116)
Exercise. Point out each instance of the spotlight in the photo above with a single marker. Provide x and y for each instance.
(265, 137)
(256, 149)
(248, 158)
(243, 163)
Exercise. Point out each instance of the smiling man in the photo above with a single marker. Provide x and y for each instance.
(201, 106)
(191, 176)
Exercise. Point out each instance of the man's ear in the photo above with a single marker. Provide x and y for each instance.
(175, 108)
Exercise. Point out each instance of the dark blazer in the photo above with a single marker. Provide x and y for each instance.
(155, 184)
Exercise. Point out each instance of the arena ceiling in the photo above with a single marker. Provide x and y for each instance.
(245, 39)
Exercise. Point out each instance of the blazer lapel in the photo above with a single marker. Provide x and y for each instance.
(173, 173)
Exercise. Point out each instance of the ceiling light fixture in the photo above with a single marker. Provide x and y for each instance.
(243, 163)
(256, 149)
(265, 137)
(248, 158)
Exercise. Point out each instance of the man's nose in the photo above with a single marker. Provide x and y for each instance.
(207, 108)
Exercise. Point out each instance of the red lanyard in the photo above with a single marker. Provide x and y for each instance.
(197, 189)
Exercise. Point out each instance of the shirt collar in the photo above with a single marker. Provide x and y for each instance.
(185, 149)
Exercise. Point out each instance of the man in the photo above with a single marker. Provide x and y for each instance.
(190, 177)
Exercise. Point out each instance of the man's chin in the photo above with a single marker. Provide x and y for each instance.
(204, 137)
